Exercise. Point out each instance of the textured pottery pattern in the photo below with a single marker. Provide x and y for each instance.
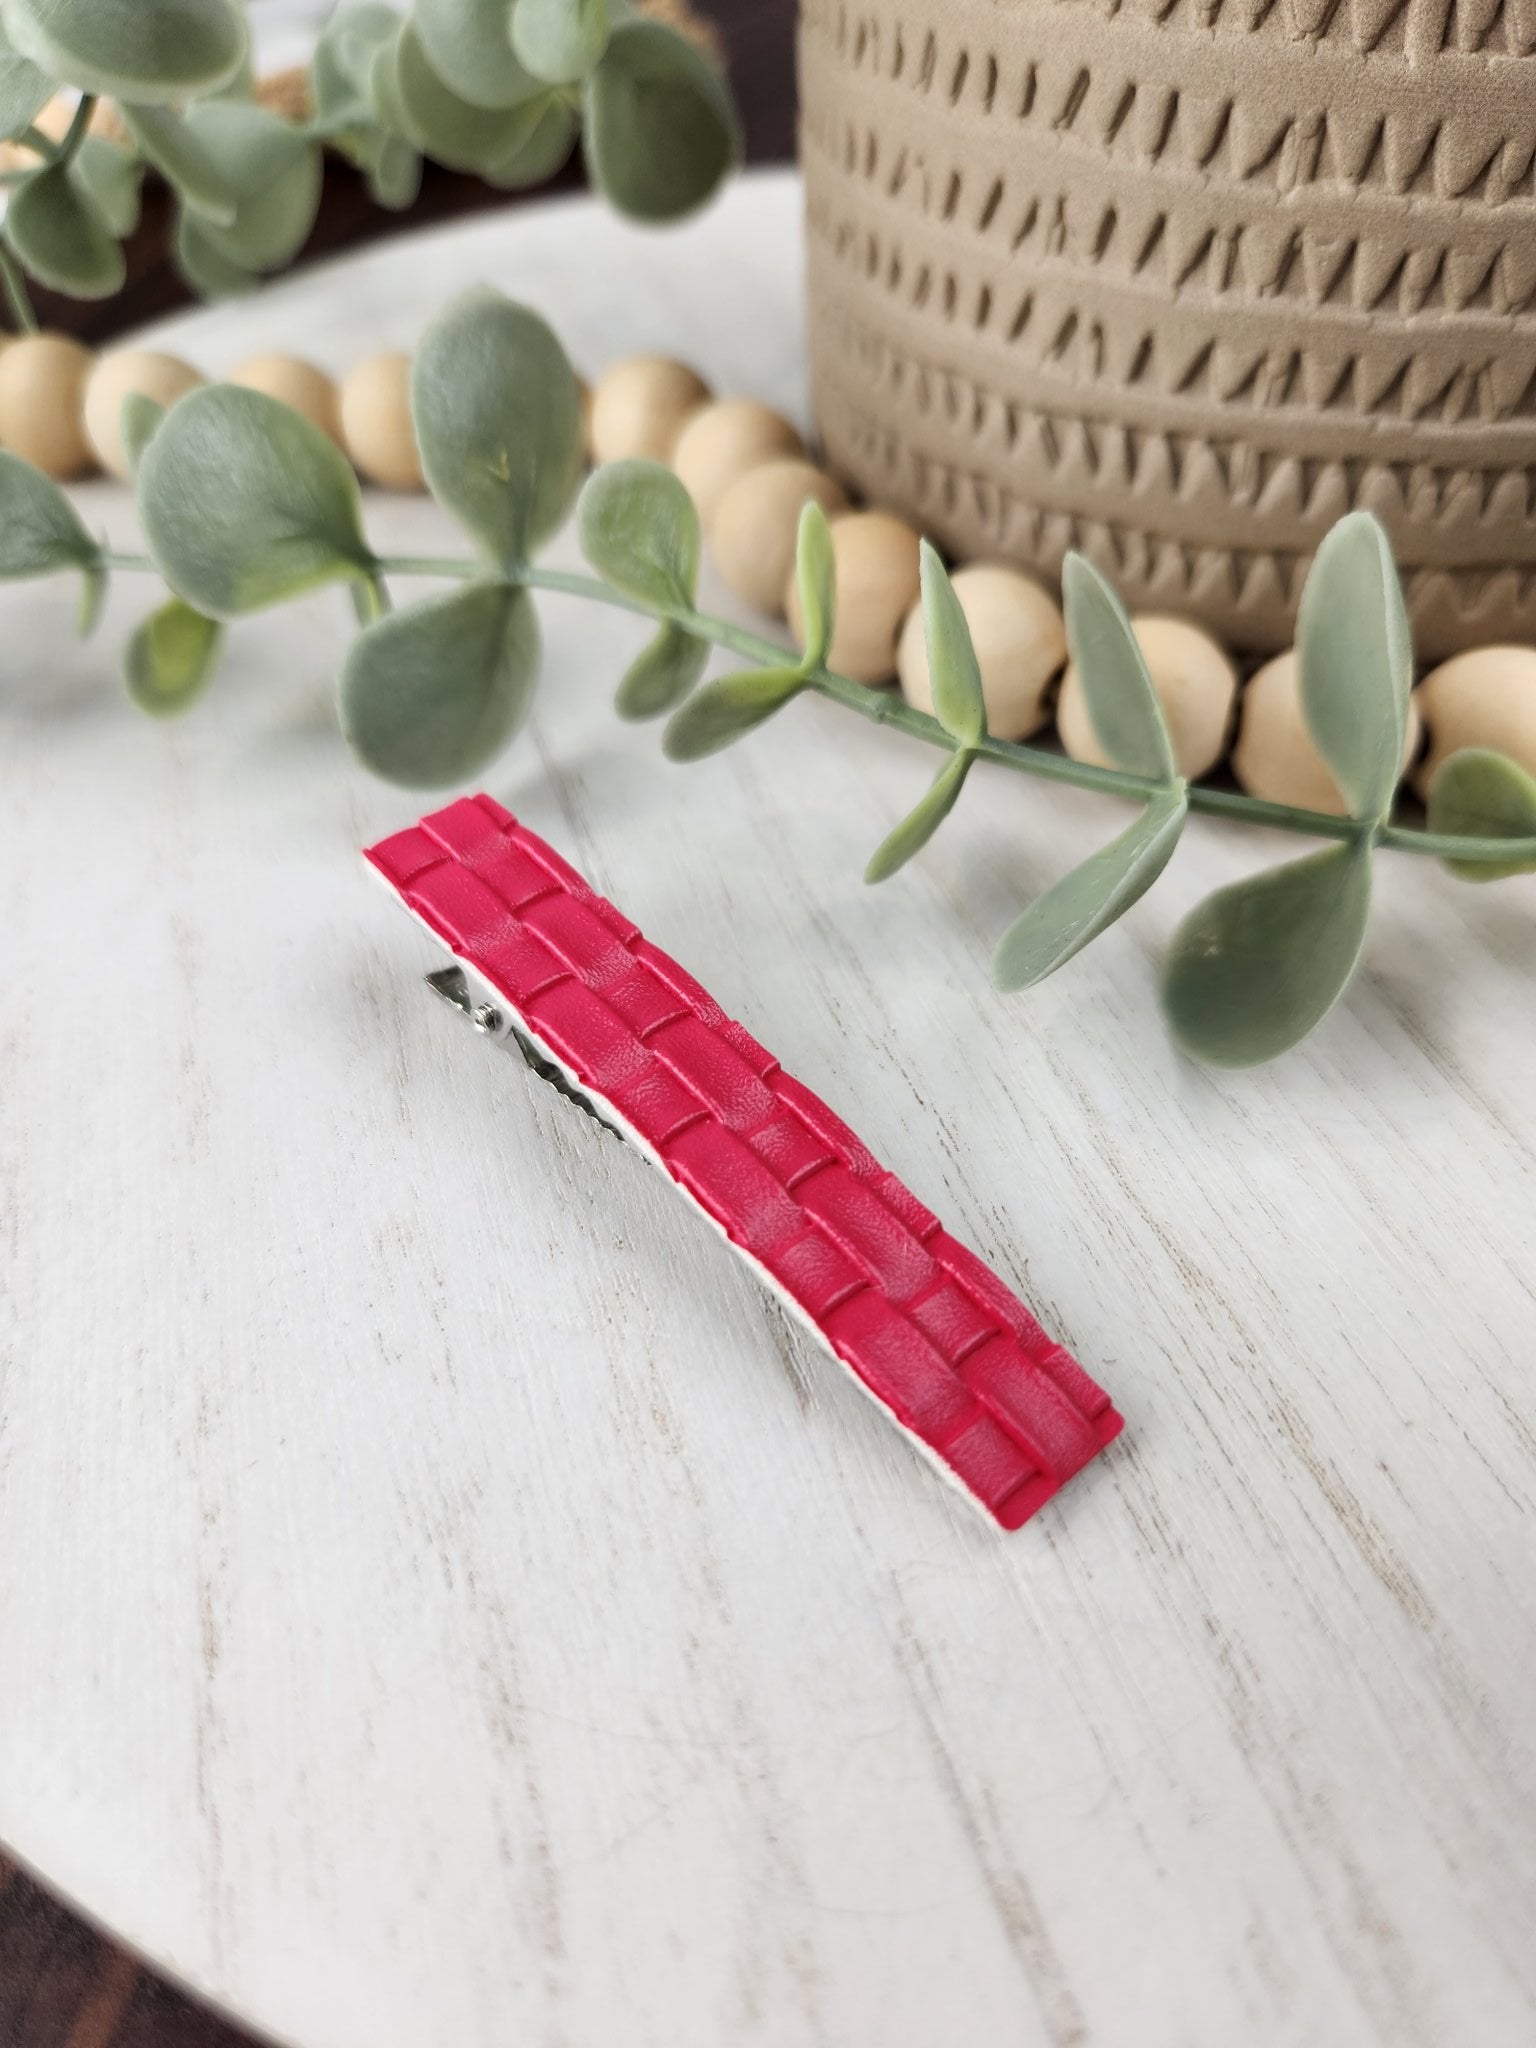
(1180, 283)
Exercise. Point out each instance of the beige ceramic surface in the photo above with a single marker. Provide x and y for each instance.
(1178, 284)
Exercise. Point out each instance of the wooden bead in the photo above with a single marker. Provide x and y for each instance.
(638, 407)
(1020, 644)
(295, 383)
(376, 428)
(55, 121)
(52, 119)
(752, 535)
(1484, 698)
(875, 557)
(721, 442)
(1196, 685)
(145, 371)
(1275, 757)
(42, 393)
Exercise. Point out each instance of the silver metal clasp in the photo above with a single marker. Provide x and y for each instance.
(493, 1022)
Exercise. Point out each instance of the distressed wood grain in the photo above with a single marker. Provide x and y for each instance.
(446, 1603)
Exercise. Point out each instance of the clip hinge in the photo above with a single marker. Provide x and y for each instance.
(491, 1021)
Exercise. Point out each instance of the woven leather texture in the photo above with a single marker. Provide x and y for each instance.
(1178, 284)
(927, 1328)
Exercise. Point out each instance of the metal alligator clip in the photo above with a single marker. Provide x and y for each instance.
(492, 1022)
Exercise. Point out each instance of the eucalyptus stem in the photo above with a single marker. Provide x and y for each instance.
(33, 138)
(17, 297)
(451, 567)
(51, 153)
(1451, 846)
(245, 504)
(883, 707)
(76, 132)
(46, 149)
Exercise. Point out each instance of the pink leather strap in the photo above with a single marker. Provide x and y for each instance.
(932, 1333)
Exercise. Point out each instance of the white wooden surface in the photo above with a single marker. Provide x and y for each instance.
(445, 1606)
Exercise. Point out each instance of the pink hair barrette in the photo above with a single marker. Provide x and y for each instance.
(544, 964)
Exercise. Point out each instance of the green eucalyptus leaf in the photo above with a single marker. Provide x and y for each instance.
(184, 160)
(13, 290)
(342, 112)
(433, 693)
(208, 270)
(160, 50)
(662, 674)
(560, 40)
(275, 172)
(343, 60)
(919, 826)
(245, 504)
(723, 711)
(391, 163)
(660, 131)
(449, 128)
(393, 168)
(60, 239)
(24, 90)
(370, 598)
(640, 530)
(241, 82)
(1072, 913)
(41, 533)
(1122, 705)
(816, 581)
(273, 224)
(1256, 966)
(170, 658)
(93, 595)
(108, 179)
(1478, 794)
(497, 411)
(384, 95)
(469, 45)
(542, 147)
(1355, 655)
(138, 422)
(957, 700)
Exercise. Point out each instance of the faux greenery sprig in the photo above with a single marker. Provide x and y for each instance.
(244, 504)
(497, 87)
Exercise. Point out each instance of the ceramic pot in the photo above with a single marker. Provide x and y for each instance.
(1178, 283)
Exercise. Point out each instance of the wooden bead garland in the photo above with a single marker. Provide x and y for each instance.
(61, 407)
(1020, 642)
(757, 521)
(750, 476)
(298, 384)
(129, 370)
(376, 428)
(720, 442)
(1485, 698)
(877, 579)
(639, 406)
(1276, 757)
(42, 401)
(1016, 626)
(1196, 685)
